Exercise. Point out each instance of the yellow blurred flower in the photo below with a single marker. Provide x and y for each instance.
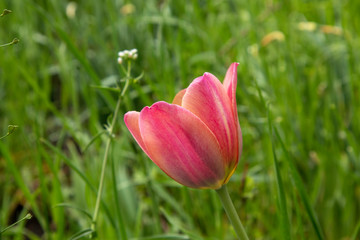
(253, 50)
(273, 36)
(307, 26)
(71, 9)
(127, 9)
(328, 29)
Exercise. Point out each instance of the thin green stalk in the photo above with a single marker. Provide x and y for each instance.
(231, 212)
(27, 217)
(5, 12)
(107, 148)
(104, 163)
(14, 41)
(11, 129)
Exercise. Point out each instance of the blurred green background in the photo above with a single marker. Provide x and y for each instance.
(298, 177)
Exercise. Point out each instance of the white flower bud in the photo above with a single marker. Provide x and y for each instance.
(133, 51)
(127, 54)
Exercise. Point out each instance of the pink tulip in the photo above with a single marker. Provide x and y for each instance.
(197, 139)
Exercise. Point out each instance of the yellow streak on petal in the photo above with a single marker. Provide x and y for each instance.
(178, 98)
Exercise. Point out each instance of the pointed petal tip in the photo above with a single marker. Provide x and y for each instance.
(207, 76)
(234, 65)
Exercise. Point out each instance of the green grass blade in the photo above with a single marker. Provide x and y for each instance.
(69, 162)
(120, 221)
(81, 175)
(93, 140)
(179, 225)
(164, 237)
(21, 183)
(75, 51)
(356, 231)
(165, 196)
(67, 205)
(81, 234)
(301, 189)
(281, 198)
(299, 226)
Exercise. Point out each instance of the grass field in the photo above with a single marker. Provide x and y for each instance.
(298, 99)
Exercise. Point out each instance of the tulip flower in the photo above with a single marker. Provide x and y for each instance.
(197, 139)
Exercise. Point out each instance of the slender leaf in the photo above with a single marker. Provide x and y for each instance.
(281, 198)
(356, 231)
(300, 187)
(68, 205)
(81, 234)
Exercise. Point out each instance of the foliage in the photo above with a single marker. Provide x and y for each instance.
(298, 97)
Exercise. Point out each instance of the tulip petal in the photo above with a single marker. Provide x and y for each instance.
(206, 98)
(132, 123)
(178, 97)
(182, 145)
(230, 83)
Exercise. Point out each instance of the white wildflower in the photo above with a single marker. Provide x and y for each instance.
(127, 54)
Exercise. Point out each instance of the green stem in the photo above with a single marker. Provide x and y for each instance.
(27, 217)
(107, 148)
(11, 129)
(14, 41)
(231, 212)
